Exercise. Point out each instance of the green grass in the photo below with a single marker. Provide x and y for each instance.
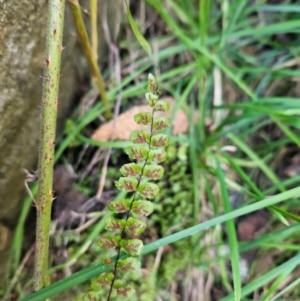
(255, 49)
(93, 271)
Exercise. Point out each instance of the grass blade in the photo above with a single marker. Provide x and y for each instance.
(264, 279)
(143, 42)
(231, 233)
(257, 161)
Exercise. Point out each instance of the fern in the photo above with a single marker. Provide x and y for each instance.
(148, 151)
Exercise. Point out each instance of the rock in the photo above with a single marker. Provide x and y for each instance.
(22, 41)
(4, 237)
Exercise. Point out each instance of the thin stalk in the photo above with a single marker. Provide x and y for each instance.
(88, 52)
(47, 144)
(94, 27)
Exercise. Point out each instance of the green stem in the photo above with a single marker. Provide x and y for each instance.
(88, 52)
(47, 138)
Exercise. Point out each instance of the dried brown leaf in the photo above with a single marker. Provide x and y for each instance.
(125, 123)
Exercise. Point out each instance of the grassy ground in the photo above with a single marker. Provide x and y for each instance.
(233, 175)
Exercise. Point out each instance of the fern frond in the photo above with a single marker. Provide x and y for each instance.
(148, 151)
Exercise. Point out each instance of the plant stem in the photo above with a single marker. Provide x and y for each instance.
(47, 138)
(94, 27)
(88, 51)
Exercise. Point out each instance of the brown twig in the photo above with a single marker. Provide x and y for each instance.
(88, 51)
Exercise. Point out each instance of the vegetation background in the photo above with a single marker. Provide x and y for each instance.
(231, 68)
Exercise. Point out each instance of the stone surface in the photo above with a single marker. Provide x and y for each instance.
(22, 40)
